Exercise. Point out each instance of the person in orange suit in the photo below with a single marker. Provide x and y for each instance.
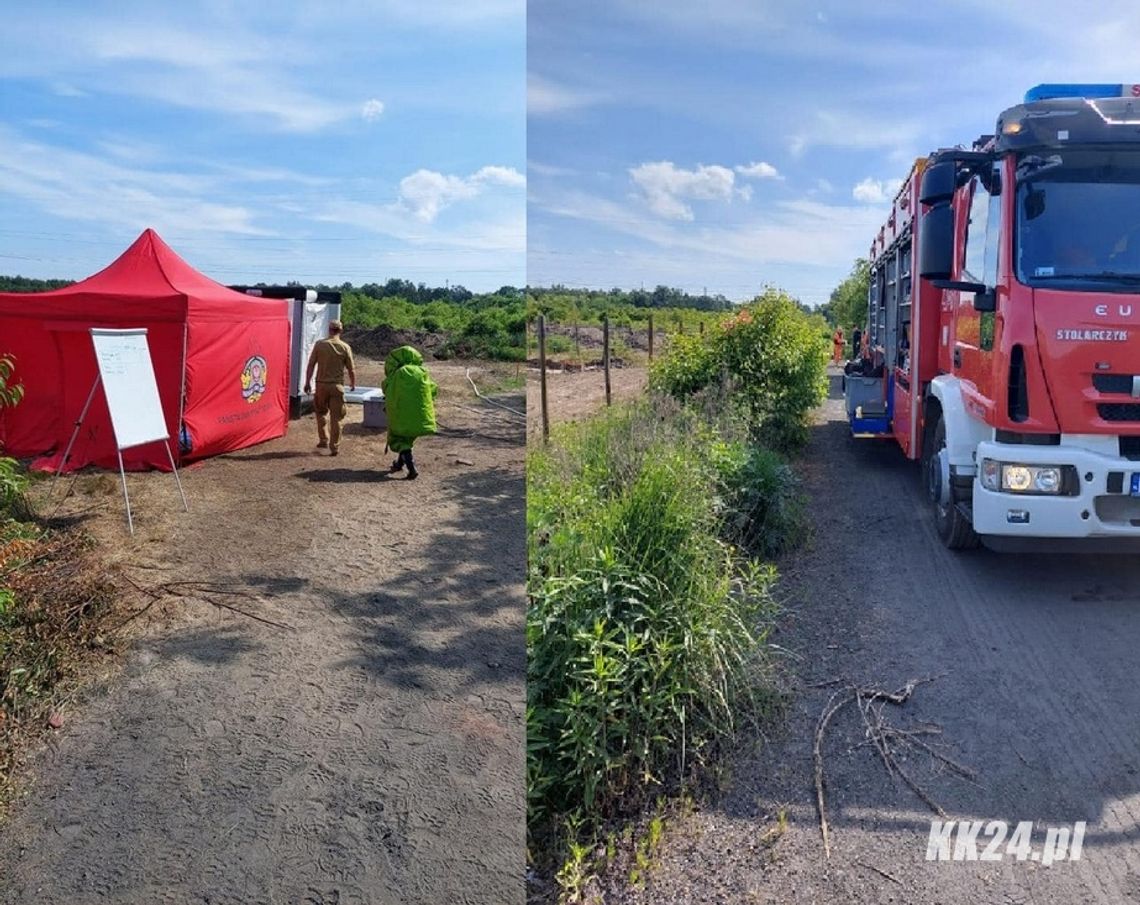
(837, 345)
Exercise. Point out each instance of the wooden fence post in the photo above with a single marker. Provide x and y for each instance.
(542, 377)
(606, 352)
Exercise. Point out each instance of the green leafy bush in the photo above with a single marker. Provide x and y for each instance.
(690, 364)
(774, 354)
(490, 327)
(762, 504)
(644, 627)
(769, 357)
(10, 393)
(13, 487)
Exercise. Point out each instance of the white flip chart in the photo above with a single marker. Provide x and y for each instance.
(129, 383)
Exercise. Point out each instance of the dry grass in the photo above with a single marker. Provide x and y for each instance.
(60, 611)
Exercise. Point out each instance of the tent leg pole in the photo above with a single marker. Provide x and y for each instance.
(177, 479)
(126, 498)
(74, 434)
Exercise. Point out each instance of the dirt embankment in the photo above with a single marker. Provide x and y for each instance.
(377, 342)
(358, 736)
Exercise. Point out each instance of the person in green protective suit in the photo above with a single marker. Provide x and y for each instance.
(409, 394)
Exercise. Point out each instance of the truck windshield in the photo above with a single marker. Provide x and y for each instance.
(1078, 219)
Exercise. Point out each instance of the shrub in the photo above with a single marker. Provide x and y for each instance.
(643, 628)
(773, 352)
(762, 503)
(10, 392)
(768, 357)
(690, 364)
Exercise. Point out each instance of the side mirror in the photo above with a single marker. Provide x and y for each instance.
(936, 242)
(985, 299)
(938, 182)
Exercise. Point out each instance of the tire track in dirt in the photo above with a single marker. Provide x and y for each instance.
(1038, 691)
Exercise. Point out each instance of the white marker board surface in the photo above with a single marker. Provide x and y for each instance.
(130, 386)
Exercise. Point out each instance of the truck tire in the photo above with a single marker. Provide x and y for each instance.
(954, 529)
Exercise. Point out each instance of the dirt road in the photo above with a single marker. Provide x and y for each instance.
(1038, 689)
(368, 748)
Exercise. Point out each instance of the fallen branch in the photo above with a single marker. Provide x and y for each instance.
(234, 609)
(202, 590)
(885, 739)
(830, 711)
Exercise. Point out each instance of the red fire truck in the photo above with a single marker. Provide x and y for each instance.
(1002, 346)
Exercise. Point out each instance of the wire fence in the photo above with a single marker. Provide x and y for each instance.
(580, 347)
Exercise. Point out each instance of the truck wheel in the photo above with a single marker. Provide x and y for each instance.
(954, 529)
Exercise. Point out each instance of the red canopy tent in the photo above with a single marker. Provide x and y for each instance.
(221, 359)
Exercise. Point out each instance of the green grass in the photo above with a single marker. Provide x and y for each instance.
(647, 614)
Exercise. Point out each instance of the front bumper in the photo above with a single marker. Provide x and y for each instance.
(1098, 510)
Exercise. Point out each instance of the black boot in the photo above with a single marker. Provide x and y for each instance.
(398, 465)
(412, 473)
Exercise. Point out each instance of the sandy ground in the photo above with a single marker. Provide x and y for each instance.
(366, 749)
(573, 395)
(1036, 690)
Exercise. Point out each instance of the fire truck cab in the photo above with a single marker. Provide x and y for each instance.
(1002, 345)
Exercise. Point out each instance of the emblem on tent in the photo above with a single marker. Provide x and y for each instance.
(253, 379)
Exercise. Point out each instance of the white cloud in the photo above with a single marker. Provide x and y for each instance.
(544, 98)
(846, 129)
(875, 191)
(506, 176)
(822, 185)
(545, 169)
(64, 89)
(759, 170)
(234, 70)
(785, 237)
(426, 192)
(83, 187)
(372, 109)
(664, 185)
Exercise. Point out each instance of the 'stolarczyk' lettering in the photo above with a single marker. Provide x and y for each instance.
(1103, 336)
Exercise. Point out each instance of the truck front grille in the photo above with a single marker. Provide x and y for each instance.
(1113, 383)
(1119, 411)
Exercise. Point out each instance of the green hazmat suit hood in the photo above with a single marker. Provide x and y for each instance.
(397, 358)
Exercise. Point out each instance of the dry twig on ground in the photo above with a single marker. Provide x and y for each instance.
(886, 739)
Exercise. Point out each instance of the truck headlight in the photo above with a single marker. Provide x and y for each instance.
(1016, 478)
(1047, 479)
(1026, 479)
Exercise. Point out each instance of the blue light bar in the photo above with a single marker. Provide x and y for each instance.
(1045, 92)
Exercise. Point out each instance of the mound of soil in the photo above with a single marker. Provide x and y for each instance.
(590, 337)
(377, 342)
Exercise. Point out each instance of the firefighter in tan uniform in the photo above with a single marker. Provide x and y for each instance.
(330, 358)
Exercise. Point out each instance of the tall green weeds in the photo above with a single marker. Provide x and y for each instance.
(647, 614)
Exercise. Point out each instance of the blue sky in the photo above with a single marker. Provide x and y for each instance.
(322, 142)
(733, 144)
